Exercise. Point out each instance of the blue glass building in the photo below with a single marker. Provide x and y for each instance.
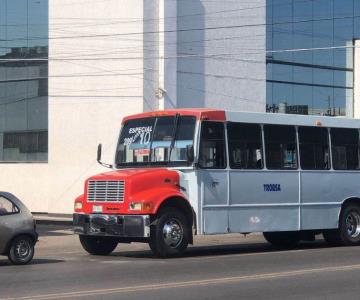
(23, 80)
(310, 56)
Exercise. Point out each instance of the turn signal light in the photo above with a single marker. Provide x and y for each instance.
(140, 206)
(147, 206)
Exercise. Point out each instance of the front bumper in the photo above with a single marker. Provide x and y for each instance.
(124, 226)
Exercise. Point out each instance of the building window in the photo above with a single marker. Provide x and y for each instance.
(23, 80)
(25, 146)
(310, 56)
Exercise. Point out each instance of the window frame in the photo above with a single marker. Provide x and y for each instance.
(225, 141)
(332, 150)
(266, 156)
(13, 204)
(165, 163)
(262, 149)
(330, 167)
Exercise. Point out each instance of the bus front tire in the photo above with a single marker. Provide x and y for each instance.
(348, 233)
(170, 234)
(283, 238)
(98, 245)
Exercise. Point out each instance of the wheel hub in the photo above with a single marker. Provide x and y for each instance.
(173, 233)
(353, 224)
(22, 249)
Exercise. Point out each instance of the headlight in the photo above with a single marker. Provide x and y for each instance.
(135, 206)
(140, 206)
(78, 205)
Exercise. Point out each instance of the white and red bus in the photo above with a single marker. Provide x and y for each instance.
(201, 171)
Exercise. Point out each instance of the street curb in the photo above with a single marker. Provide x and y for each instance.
(53, 222)
(53, 219)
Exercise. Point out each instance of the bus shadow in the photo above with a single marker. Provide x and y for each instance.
(228, 249)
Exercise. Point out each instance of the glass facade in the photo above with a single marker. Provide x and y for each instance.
(310, 56)
(23, 80)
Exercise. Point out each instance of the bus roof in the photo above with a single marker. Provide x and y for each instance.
(199, 113)
(253, 117)
(292, 119)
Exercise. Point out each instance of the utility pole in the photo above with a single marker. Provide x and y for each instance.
(329, 106)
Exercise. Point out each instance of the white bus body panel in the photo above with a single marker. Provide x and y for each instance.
(322, 194)
(308, 200)
(236, 201)
(252, 208)
(214, 198)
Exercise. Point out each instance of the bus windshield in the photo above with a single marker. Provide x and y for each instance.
(155, 141)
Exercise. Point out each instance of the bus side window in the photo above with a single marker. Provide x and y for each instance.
(345, 148)
(212, 146)
(245, 146)
(280, 146)
(314, 148)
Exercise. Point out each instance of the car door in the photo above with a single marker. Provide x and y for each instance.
(8, 210)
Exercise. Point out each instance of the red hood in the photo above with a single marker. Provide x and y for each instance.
(151, 185)
(127, 173)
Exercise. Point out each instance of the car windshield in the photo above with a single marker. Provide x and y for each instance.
(157, 140)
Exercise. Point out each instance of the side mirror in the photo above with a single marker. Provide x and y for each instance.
(98, 158)
(99, 150)
(190, 153)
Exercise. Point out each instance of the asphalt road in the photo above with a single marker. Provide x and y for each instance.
(217, 267)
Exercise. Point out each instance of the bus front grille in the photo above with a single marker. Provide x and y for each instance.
(106, 191)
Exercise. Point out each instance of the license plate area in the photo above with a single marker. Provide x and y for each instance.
(97, 209)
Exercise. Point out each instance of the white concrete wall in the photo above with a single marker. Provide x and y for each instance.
(93, 83)
(197, 65)
(222, 66)
(151, 52)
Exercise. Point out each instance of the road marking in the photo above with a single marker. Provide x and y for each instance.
(214, 256)
(193, 257)
(203, 282)
(116, 262)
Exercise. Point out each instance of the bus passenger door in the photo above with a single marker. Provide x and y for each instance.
(213, 178)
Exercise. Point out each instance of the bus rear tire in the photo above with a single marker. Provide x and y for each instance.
(283, 238)
(169, 236)
(98, 245)
(348, 233)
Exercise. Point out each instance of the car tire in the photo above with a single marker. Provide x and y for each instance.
(170, 234)
(22, 250)
(348, 233)
(286, 239)
(95, 245)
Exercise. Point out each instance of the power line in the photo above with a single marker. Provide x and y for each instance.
(212, 55)
(189, 29)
